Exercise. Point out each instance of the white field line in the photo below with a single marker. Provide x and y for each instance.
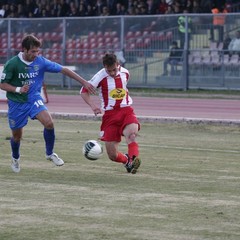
(190, 149)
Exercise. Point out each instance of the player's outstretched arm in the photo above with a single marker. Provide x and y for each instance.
(87, 98)
(66, 71)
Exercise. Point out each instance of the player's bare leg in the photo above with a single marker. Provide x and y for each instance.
(130, 132)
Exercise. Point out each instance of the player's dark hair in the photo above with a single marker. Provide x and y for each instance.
(109, 59)
(30, 41)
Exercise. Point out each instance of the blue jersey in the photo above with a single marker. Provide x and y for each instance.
(18, 72)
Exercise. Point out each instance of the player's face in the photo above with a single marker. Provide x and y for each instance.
(112, 70)
(31, 54)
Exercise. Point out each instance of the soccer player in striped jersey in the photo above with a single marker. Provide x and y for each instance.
(22, 79)
(119, 118)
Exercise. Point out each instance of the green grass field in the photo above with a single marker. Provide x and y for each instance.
(186, 189)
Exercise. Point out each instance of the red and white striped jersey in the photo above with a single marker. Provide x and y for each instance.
(113, 92)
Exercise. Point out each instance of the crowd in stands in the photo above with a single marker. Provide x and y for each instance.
(80, 8)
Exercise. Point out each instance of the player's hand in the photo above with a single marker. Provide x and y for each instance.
(96, 111)
(91, 89)
(24, 89)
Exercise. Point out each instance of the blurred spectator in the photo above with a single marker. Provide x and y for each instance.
(105, 11)
(176, 8)
(218, 23)
(131, 11)
(81, 9)
(65, 8)
(182, 28)
(229, 19)
(12, 11)
(98, 8)
(234, 46)
(226, 43)
(228, 7)
(120, 9)
(90, 11)
(48, 10)
(59, 12)
(219, 3)
(142, 9)
(152, 7)
(206, 6)
(54, 8)
(130, 4)
(169, 10)
(183, 3)
(135, 6)
(7, 10)
(29, 7)
(196, 7)
(44, 13)
(188, 5)
(163, 7)
(175, 56)
(111, 4)
(2, 11)
(30, 15)
(103, 21)
(38, 10)
(73, 12)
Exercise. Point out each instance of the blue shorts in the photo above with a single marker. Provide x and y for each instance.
(18, 113)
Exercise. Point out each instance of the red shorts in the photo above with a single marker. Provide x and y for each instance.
(114, 122)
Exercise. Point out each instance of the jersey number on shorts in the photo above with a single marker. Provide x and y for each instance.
(38, 103)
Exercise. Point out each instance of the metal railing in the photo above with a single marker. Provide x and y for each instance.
(144, 42)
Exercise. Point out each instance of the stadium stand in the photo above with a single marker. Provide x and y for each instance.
(143, 42)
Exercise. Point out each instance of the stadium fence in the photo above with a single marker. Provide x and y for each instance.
(142, 43)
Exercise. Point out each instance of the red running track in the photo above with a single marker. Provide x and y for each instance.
(154, 108)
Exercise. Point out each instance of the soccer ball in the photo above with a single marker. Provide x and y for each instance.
(92, 150)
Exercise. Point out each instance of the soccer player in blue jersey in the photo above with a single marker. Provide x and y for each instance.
(22, 79)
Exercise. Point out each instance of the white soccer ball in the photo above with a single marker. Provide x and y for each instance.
(92, 150)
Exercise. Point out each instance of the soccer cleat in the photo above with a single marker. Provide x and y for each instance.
(133, 164)
(15, 165)
(128, 164)
(55, 159)
(136, 162)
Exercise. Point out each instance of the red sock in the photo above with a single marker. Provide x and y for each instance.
(121, 158)
(133, 149)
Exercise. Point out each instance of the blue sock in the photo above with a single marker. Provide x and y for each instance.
(49, 137)
(15, 148)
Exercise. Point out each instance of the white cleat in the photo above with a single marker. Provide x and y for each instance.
(55, 159)
(15, 165)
